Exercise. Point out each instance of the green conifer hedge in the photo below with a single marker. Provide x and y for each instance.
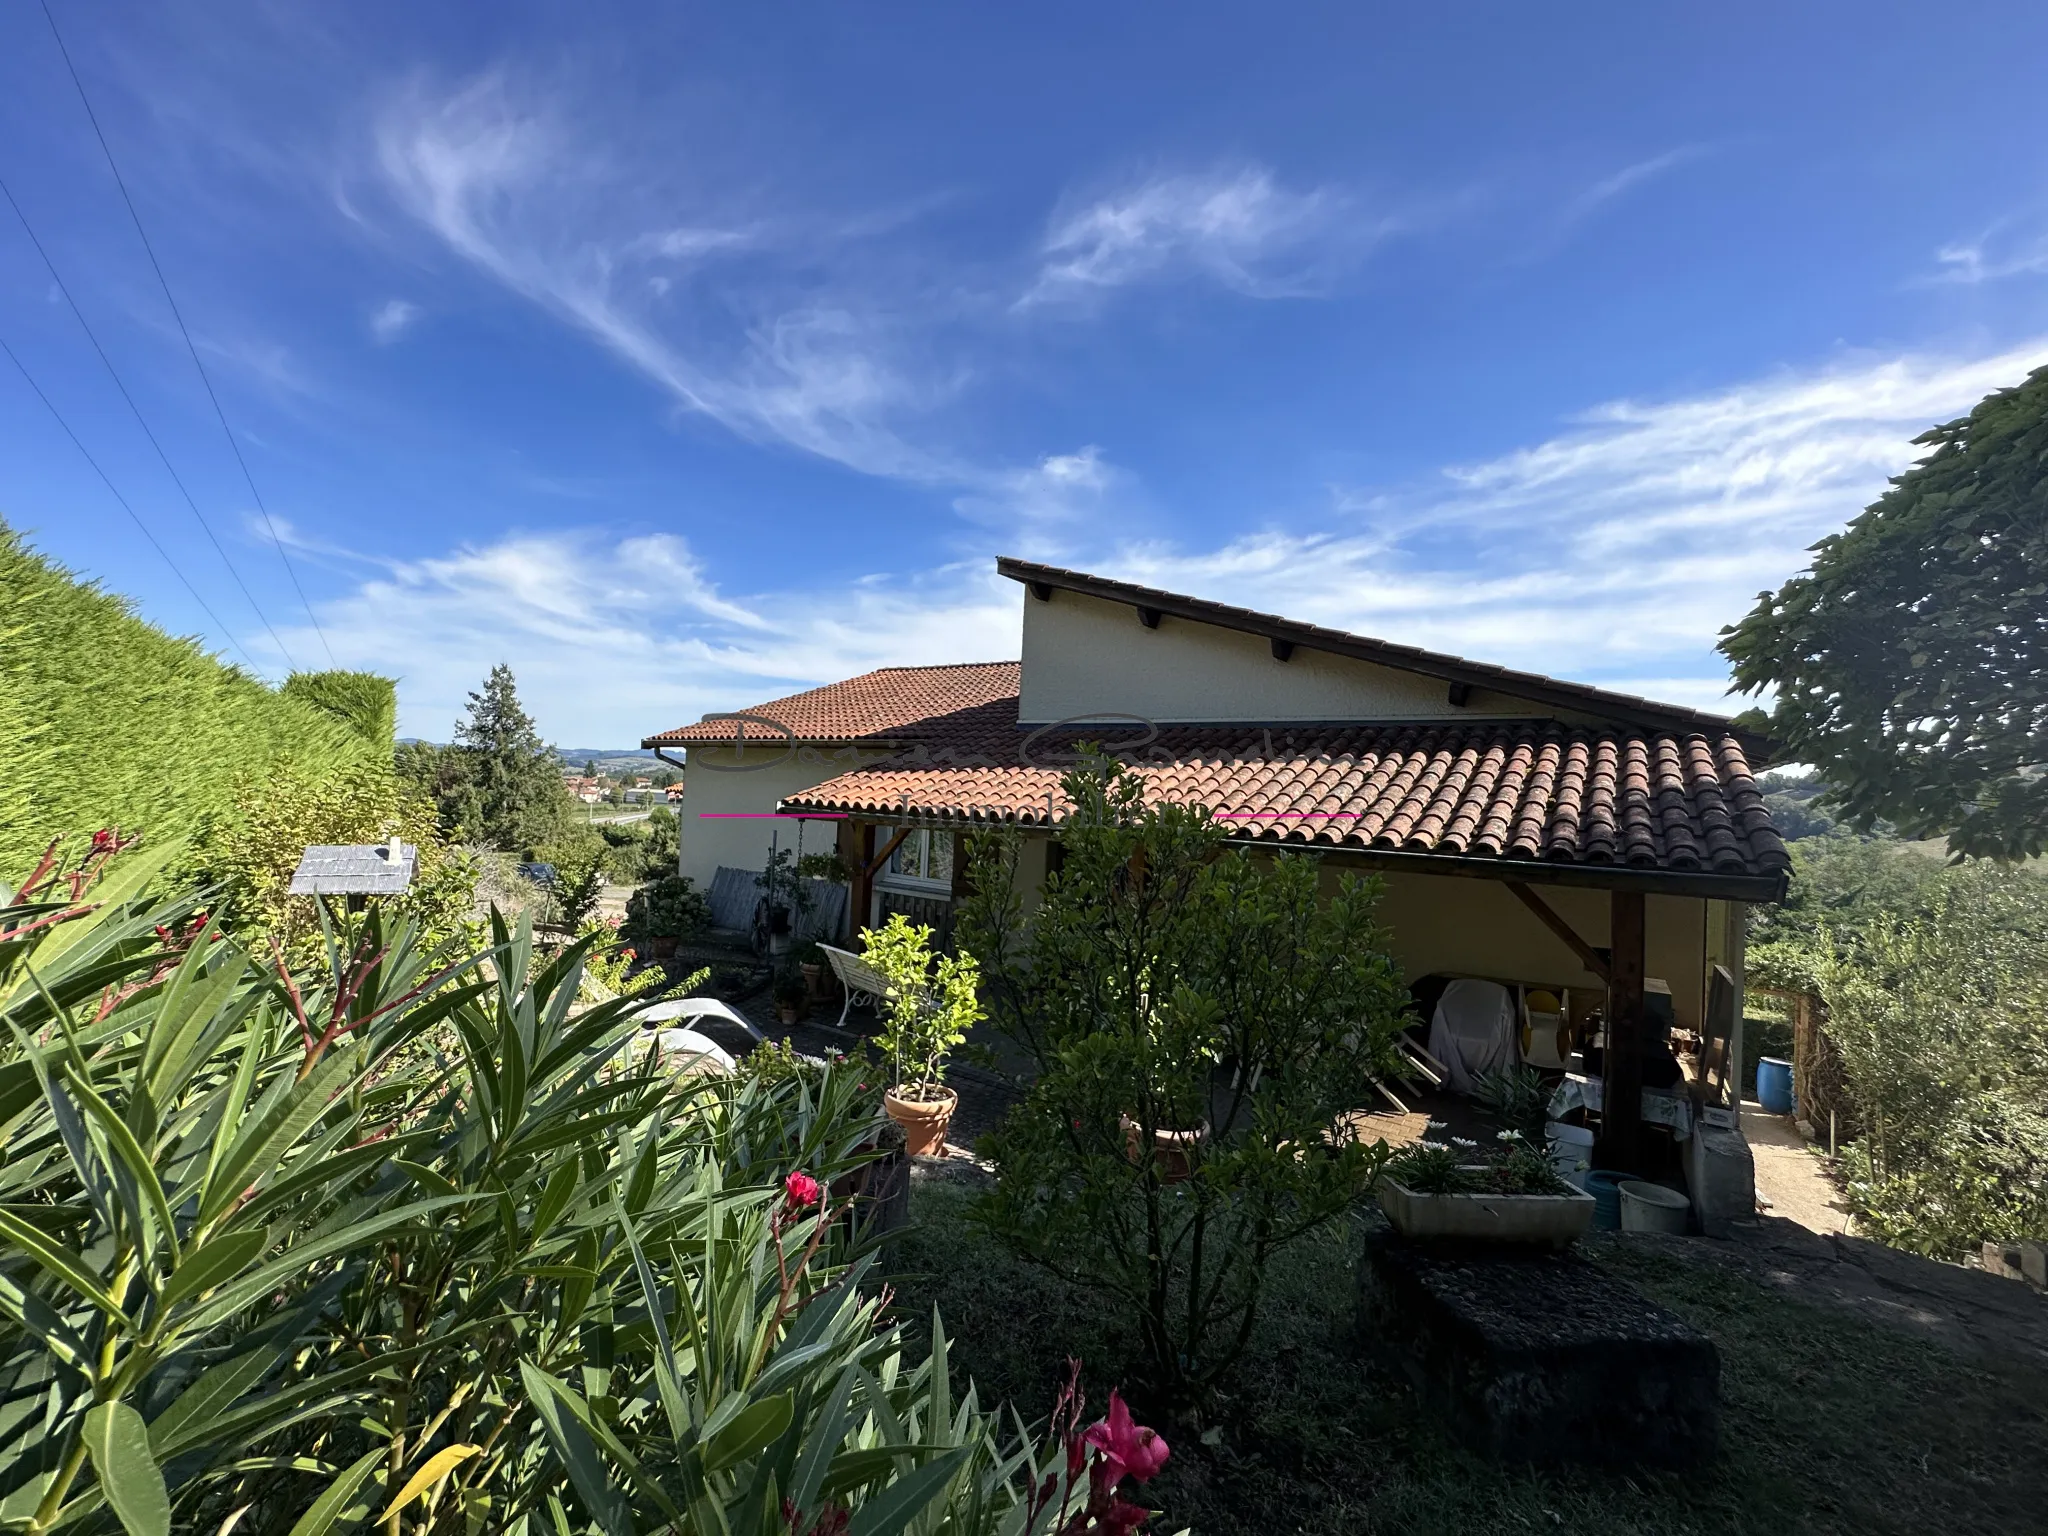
(105, 720)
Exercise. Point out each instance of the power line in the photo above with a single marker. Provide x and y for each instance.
(162, 282)
(141, 526)
(115, 375)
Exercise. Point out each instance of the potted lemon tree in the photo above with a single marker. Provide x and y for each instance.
(928, 1012)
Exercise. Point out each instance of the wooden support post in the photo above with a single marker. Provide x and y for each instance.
(863, 883)
(1621, 1115)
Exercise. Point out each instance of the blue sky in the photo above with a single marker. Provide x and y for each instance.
(684, 355)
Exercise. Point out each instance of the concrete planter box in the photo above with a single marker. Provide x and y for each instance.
(1553, 1221)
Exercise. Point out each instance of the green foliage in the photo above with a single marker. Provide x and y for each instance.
(499, 784)
(367, 702)
(1153, 955)
(1519, 1096)
(824, 866)
(108, 721)
(930, 1006)
(574, 891)
(1935, 984)
(251, 849)
(405, 1235)
(642, 850)
(1907, 663)
(1512, 1165)
(1795, 802)
(669, 908)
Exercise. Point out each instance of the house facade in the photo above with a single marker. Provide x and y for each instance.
(1527, 829)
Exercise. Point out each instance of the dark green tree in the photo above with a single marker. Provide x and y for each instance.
(1911, 659)
(516, 799)
(442, 775)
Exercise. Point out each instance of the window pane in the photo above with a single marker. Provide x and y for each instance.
(939, 865)
(908, 858)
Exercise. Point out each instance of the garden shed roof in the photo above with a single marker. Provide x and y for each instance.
(359, 869)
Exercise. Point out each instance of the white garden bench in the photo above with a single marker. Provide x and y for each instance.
(857, 978)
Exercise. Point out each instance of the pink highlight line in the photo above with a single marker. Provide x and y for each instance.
(1297, 815)
(772, 815)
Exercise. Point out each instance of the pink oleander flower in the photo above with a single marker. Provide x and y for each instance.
(800, 1189)
(1130, 1447)
(103, 840)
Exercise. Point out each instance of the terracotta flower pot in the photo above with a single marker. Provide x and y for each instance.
(791, 1011)
(924, 1120)
(1172, 1151)
(664, 947)
(814, 981)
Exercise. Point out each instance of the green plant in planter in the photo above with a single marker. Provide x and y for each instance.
(1519, 1095)
(824, 866)
(1511, 1165)
(790, 989)
(669, 908)
(930, 1008)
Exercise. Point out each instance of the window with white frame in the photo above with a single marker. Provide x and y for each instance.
(923, 859)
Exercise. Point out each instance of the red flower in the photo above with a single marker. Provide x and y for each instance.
(800, 1189)
(1129, 1447)
(103, 840)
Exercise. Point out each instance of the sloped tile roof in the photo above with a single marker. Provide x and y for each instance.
(888, 704)
(1515, 790)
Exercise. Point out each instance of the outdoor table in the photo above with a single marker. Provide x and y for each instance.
(1660, 1106)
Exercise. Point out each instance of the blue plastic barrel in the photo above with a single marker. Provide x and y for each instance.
(1602, 1184)
(1774, 1085)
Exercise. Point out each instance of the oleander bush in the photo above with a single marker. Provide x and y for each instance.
(404, 1236)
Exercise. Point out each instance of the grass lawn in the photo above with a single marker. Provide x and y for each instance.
(1828, 1425)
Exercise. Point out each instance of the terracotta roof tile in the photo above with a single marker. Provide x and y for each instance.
(1515, 789)
(890, 704)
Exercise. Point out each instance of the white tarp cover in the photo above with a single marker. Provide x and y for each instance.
(1473, 1032)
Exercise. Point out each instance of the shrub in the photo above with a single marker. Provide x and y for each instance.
(365, 702)
(669, 908)
(1154, 955)
(930, 1007)
(1941, 1026)
(255, 843)
(108, 721)
(397, 1235)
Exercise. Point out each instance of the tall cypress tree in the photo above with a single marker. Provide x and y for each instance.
(516, 798)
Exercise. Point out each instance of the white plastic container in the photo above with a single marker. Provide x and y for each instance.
(1652, 1208)
(1571, 1151)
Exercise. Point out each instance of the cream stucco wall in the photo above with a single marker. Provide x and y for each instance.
(723, 779)
(1469, 927)
(1086, 658)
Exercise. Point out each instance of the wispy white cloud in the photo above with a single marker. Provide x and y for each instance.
(585, 227)
(613, 639)
(2000, 252)
(1611, 552)
(1627, 179)
(1616, 549)
(1238, 227)
(392, 319)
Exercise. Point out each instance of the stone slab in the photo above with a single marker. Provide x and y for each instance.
(1544, 1358)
